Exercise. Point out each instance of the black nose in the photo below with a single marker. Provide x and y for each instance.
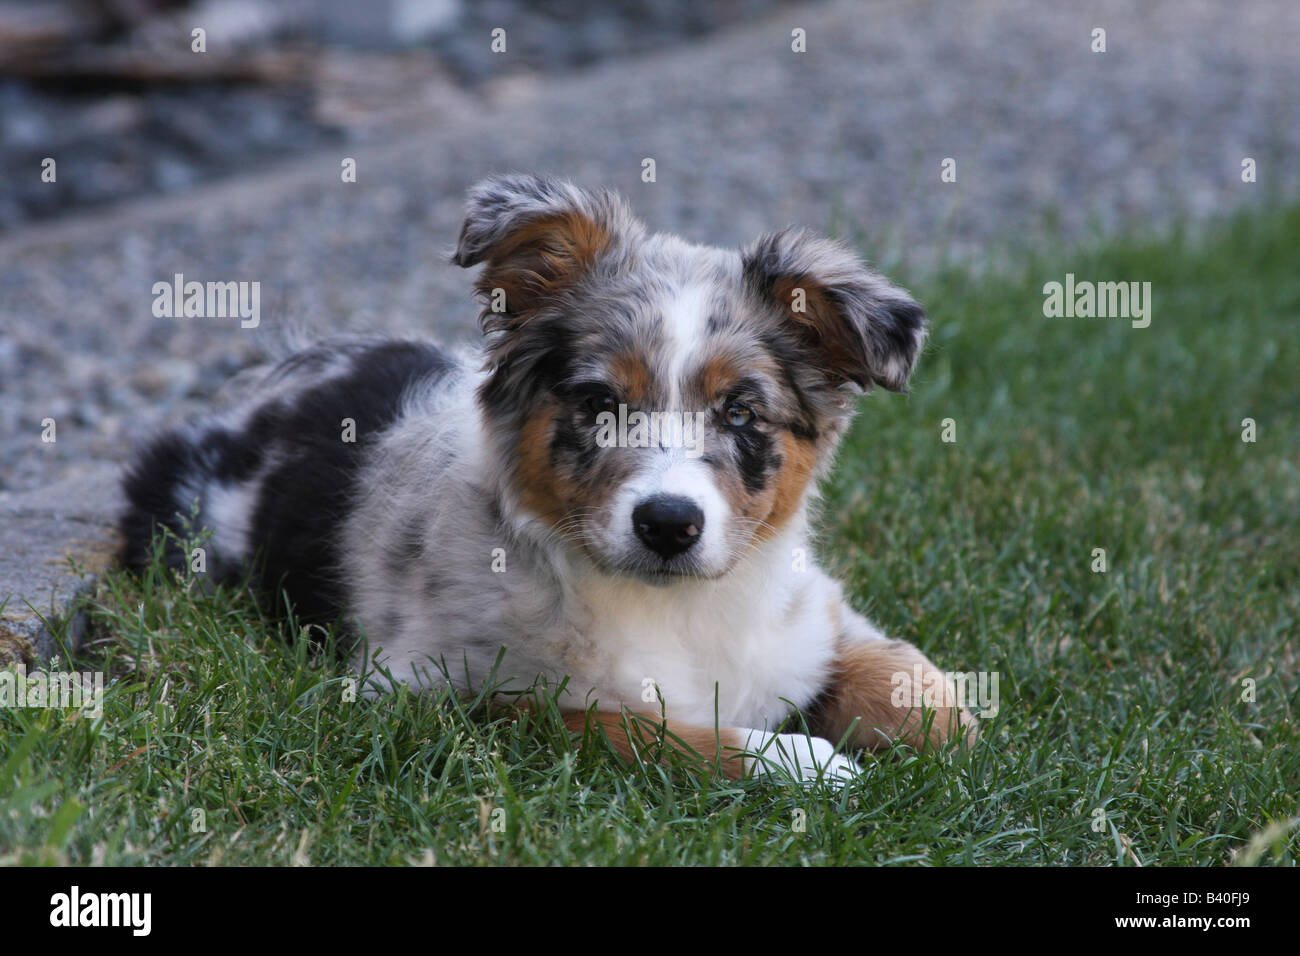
(668, 525)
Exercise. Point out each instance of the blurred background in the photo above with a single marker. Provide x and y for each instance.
(115, 87)
(225, 164)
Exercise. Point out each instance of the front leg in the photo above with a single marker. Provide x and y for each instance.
(891, 689)
(736, 751)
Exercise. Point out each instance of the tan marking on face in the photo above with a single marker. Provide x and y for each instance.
(540, 488)
(547, 489)
(632, 376)
(732, 489)
(717, 376)
(721, 370)
(780, 498)
(798, 459)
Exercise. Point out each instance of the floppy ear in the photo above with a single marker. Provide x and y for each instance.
(853, 324)
(538, 236)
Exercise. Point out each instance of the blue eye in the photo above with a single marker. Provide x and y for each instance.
(737, 415)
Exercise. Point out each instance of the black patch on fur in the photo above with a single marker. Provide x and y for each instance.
(304, 500)
(787, 354)
(538, 357)
(756, 459)
(574, 444)
(800, 430)
(237, 457)
(813, 714)
(152, 486)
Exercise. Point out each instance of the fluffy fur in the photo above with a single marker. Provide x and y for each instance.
(478, 510)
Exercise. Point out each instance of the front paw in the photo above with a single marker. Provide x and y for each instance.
(805, 760)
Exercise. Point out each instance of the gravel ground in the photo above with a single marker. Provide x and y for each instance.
(118, 136)
(746, 135)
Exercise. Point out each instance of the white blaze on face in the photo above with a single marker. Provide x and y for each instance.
(686, 319)
(675, 468)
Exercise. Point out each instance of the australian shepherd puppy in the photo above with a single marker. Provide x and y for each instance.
(616, 491)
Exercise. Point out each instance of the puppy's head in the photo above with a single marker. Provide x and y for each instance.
(663, 406)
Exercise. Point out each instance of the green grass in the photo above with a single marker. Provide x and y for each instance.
(1120, 691)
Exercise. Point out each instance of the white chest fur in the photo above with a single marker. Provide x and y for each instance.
(750, 641)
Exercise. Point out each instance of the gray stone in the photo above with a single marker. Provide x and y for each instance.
(53, 542)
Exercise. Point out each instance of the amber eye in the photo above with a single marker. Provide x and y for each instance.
(599, 402)
(737, 415)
